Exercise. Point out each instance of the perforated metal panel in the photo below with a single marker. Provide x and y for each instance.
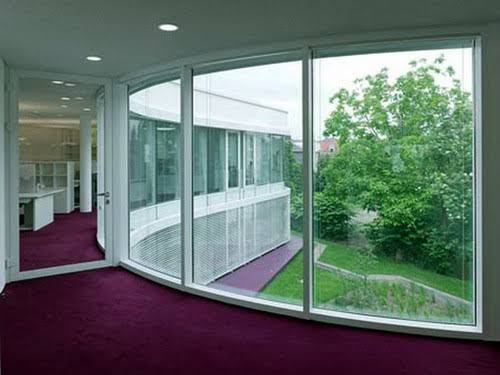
(223, 241)
(210, 247)
(249, 225)
(234, 250)
(160, 251)
(263, 229)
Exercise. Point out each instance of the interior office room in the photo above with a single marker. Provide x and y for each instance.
(255, 187)
(58, 173)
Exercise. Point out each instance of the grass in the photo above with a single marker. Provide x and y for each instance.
(288, 284)
(334, 291)
(344, 257)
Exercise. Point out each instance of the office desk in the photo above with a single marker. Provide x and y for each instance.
(38, 208)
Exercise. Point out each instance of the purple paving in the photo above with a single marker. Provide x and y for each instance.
(252, 277)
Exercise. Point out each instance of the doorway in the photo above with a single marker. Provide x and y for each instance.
(59, 161)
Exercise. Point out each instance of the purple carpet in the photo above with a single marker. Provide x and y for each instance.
(112, 322)
(69, 239)
(254, 276)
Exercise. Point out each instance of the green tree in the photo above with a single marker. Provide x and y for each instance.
(406, 154)
(292, 169)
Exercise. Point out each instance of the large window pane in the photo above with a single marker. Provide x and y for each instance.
(277, 159)
(167, 162)
(154, 144)
(141, 146)
(232, 159)
(249, 159)
(393, 189)
(263, 159)
(216, 160)
(200, 160)
(247, 223)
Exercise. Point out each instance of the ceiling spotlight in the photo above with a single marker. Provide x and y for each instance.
(94, 58)
(64, 106)
(58, 82)
(78, 98)
(65, 98)
(69, 84)
(86, 109)
(168, 27)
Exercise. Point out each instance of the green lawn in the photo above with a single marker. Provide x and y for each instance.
(287, 286)
(344, 257)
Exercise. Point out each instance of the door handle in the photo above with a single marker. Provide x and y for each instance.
(105, 195)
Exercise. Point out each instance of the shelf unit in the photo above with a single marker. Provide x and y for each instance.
(55, 175)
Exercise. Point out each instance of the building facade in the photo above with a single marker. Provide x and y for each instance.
(241, 204)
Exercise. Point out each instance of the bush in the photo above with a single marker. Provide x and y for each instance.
(332, 217)
(400, 230)
(407, 231)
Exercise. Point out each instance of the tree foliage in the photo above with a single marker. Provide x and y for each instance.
(406, 154)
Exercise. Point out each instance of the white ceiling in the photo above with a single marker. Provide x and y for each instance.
(56, 35)
(40, 102)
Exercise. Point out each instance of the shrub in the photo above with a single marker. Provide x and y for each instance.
(332, 217)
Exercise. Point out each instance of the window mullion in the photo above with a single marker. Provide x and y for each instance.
(186, 175)
(307, 139)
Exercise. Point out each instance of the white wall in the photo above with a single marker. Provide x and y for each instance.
(3, 208)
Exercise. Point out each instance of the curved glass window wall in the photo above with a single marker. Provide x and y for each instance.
(392, 158)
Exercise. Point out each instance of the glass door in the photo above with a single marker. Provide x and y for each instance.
(61, 196)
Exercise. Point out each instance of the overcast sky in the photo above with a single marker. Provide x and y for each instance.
(279, 85)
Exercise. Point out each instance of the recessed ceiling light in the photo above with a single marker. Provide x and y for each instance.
(58, 82)
(86, 109)
(69, 84)
(64, 106)
(78, 98)
(168, 27)
(65, 98)
(94, 58)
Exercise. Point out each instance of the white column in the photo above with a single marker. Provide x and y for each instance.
(85, 164)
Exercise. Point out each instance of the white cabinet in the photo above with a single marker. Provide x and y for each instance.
(58, 175)
(64, 178)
